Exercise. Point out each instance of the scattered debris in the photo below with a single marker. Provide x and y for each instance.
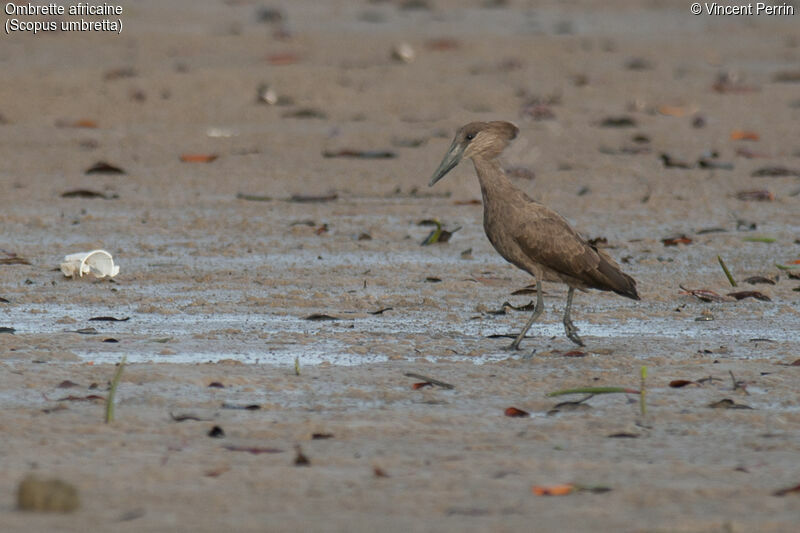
(675, 241)
(99, 263)
(618, 122)
(88, 193)
(758, 195)
(183, 417)
(727, 403)
(403, 52)
(430, 380)
(516, 413)
(47, 495)
(311, 198)
(744, 135)
(774, 172)
(704, 295)
(253, 197)
(787, 490)
(246, 407)
(300, 459)
(438, 235)
(102, 167)
(755, 280)
(305, 112)
(319, 317)
(198, 158)
(750, 294)
(568, 488)
(255, 450)
(360, 154)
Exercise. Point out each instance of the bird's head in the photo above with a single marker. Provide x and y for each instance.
(477, 139)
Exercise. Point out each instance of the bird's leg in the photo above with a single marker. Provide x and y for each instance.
(536, 312)
(569, 327)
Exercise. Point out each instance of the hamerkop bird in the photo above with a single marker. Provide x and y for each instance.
(527, 233)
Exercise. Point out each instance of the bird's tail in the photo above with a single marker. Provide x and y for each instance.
(614, 279)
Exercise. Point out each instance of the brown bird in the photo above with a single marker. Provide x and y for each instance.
(527, 233)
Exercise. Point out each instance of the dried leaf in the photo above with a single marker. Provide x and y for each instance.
(216, 385)
(574, 353)
(623, 435)
(678, 383)
(675, 241)
(361, 154)
(774, 172)
(553, 490)
(286, 58)
(321, 436)
(101, 167)
(417, 386)
(442, 44)
(80, 123)
(618, 122)
(727, 403)
(306, 112)
(255, 450)
(758, 195)
(253, 197)
(744, 135)
(246, 407)
(310, 198)
(187, 416)
(788, 490)
(198, 158)
(88, 398)
(754, 280)
(379, 472)
(67, 384)
(320, 316)
(516, 413)
(705, 295)
(740, 295)
(88, 193)
(473, 201)
(13, 259)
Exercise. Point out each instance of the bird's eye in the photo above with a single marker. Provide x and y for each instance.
(470, 136)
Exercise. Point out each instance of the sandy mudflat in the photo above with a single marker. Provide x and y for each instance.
(217, 287)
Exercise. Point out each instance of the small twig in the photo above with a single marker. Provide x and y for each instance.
(727, 272)
(113, 390)
(297, 366)
(432, 381)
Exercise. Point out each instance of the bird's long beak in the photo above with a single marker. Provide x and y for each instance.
(451, 159)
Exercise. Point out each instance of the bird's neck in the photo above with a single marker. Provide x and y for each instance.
(495, 185)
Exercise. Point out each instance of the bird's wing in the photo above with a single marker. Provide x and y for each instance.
(548, 239)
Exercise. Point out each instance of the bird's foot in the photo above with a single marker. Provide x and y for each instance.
(514, 346)
(572, 333)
